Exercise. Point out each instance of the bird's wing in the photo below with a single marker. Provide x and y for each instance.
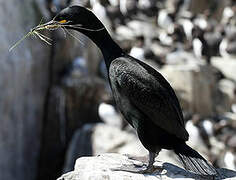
(150, 93)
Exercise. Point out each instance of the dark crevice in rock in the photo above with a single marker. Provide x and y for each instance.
(49, 167)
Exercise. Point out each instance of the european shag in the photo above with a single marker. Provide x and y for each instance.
(142, 94)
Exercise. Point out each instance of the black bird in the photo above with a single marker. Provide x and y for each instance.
(142, 94)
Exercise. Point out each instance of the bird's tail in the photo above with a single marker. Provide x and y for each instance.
(194, 162)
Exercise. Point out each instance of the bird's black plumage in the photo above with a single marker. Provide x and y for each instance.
(143, 95)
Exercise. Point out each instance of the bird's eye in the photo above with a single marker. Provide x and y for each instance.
(63, 21)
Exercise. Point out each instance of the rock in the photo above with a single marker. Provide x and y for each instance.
(23, 83)
(83, 97)
(101, 138)
(195, 86)
(71, 106)
(80, 145)
(102, 167)
(226, 66)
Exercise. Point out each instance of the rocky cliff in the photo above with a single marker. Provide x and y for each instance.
(23, 83)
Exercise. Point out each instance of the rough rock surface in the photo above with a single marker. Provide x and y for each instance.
(108, 166)
(93, 141)
(23, 83)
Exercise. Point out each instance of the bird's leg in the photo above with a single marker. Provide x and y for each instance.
(150, 166)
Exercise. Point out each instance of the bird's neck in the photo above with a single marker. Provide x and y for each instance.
(110, 49)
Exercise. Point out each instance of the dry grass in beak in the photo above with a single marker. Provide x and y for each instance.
(52, 25)
(36, 33)
(18, 42)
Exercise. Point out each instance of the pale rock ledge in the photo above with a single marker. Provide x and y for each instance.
(100, 168)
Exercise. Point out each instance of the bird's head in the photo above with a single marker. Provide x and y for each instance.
(74, 17)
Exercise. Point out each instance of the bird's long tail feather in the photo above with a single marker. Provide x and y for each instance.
(194, 162)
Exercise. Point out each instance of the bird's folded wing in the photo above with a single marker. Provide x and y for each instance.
(153, 99)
